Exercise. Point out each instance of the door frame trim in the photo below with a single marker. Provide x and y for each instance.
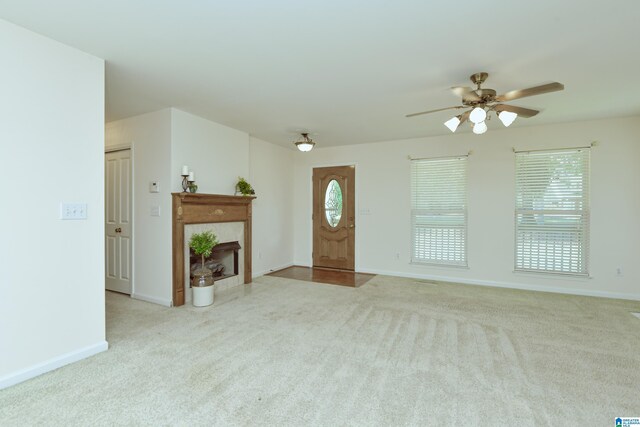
(119, 147)
(112, 149)
(356, 240)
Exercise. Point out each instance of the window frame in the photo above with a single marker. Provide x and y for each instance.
(582, 228)
(463, 211)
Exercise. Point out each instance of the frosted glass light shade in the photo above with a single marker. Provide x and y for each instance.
(453, 123)
(477, 115)
(480, 128)
(304, 146)
(507, 117)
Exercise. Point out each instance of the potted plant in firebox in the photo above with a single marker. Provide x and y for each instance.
(202, 284)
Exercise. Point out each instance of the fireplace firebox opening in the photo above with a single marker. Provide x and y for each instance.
(223, 261)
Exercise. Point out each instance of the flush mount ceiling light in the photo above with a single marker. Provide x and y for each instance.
(480, 102)
(305, 143)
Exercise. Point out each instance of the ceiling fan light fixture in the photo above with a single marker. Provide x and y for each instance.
(480, 102)
(507, 117)
(305, 144)
(453, 123)
(480, 128)
(478, 115)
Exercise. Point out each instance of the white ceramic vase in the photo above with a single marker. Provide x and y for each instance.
(202, 296)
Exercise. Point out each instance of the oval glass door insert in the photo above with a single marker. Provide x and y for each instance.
(333, 203)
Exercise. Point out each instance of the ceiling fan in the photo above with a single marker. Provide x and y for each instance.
(481, 101)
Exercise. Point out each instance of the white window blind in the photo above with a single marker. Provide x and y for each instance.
(439, 211)
(552, 211)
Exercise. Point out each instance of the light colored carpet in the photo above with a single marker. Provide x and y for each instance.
(392, 352)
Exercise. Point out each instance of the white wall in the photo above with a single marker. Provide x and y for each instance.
(382, 187)
(149, 136)
(52, 136)
(217, 154)
(271, 176)
(164, 141)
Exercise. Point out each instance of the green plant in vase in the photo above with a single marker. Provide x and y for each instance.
(203, 243)
(202, 284)
(244, 188)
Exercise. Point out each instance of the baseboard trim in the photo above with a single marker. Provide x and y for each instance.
(154, 300)
(52, 364)
(510, 285)
(262, 273)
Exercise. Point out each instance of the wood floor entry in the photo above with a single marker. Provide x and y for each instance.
(322, 275)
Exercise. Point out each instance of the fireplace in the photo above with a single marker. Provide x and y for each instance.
(223, 261)
(229, 217)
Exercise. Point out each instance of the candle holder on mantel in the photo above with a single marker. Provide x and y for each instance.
(186, 183)
(188, 180)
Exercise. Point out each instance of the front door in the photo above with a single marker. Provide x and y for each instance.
(334, 217)
(118, 221)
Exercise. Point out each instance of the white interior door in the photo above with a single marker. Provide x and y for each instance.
(118, 221)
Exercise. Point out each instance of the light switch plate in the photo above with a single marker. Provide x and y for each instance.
(154, 211)
(154, 187)
(73, 210)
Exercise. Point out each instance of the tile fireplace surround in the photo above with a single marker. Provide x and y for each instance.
(197, 208)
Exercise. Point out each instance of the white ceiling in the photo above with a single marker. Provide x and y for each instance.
(348, 70)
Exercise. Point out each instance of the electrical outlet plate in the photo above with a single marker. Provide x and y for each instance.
(73, 211)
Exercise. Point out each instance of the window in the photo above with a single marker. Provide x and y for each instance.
(552, 211)
(333, 203)
(439, 211)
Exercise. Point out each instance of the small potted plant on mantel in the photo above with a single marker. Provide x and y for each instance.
(202, 284)
(244, 188)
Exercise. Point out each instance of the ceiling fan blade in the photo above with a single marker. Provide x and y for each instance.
(466, 93)
(520, 111)
(460, 90)
(537, 90)
(434, 111)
